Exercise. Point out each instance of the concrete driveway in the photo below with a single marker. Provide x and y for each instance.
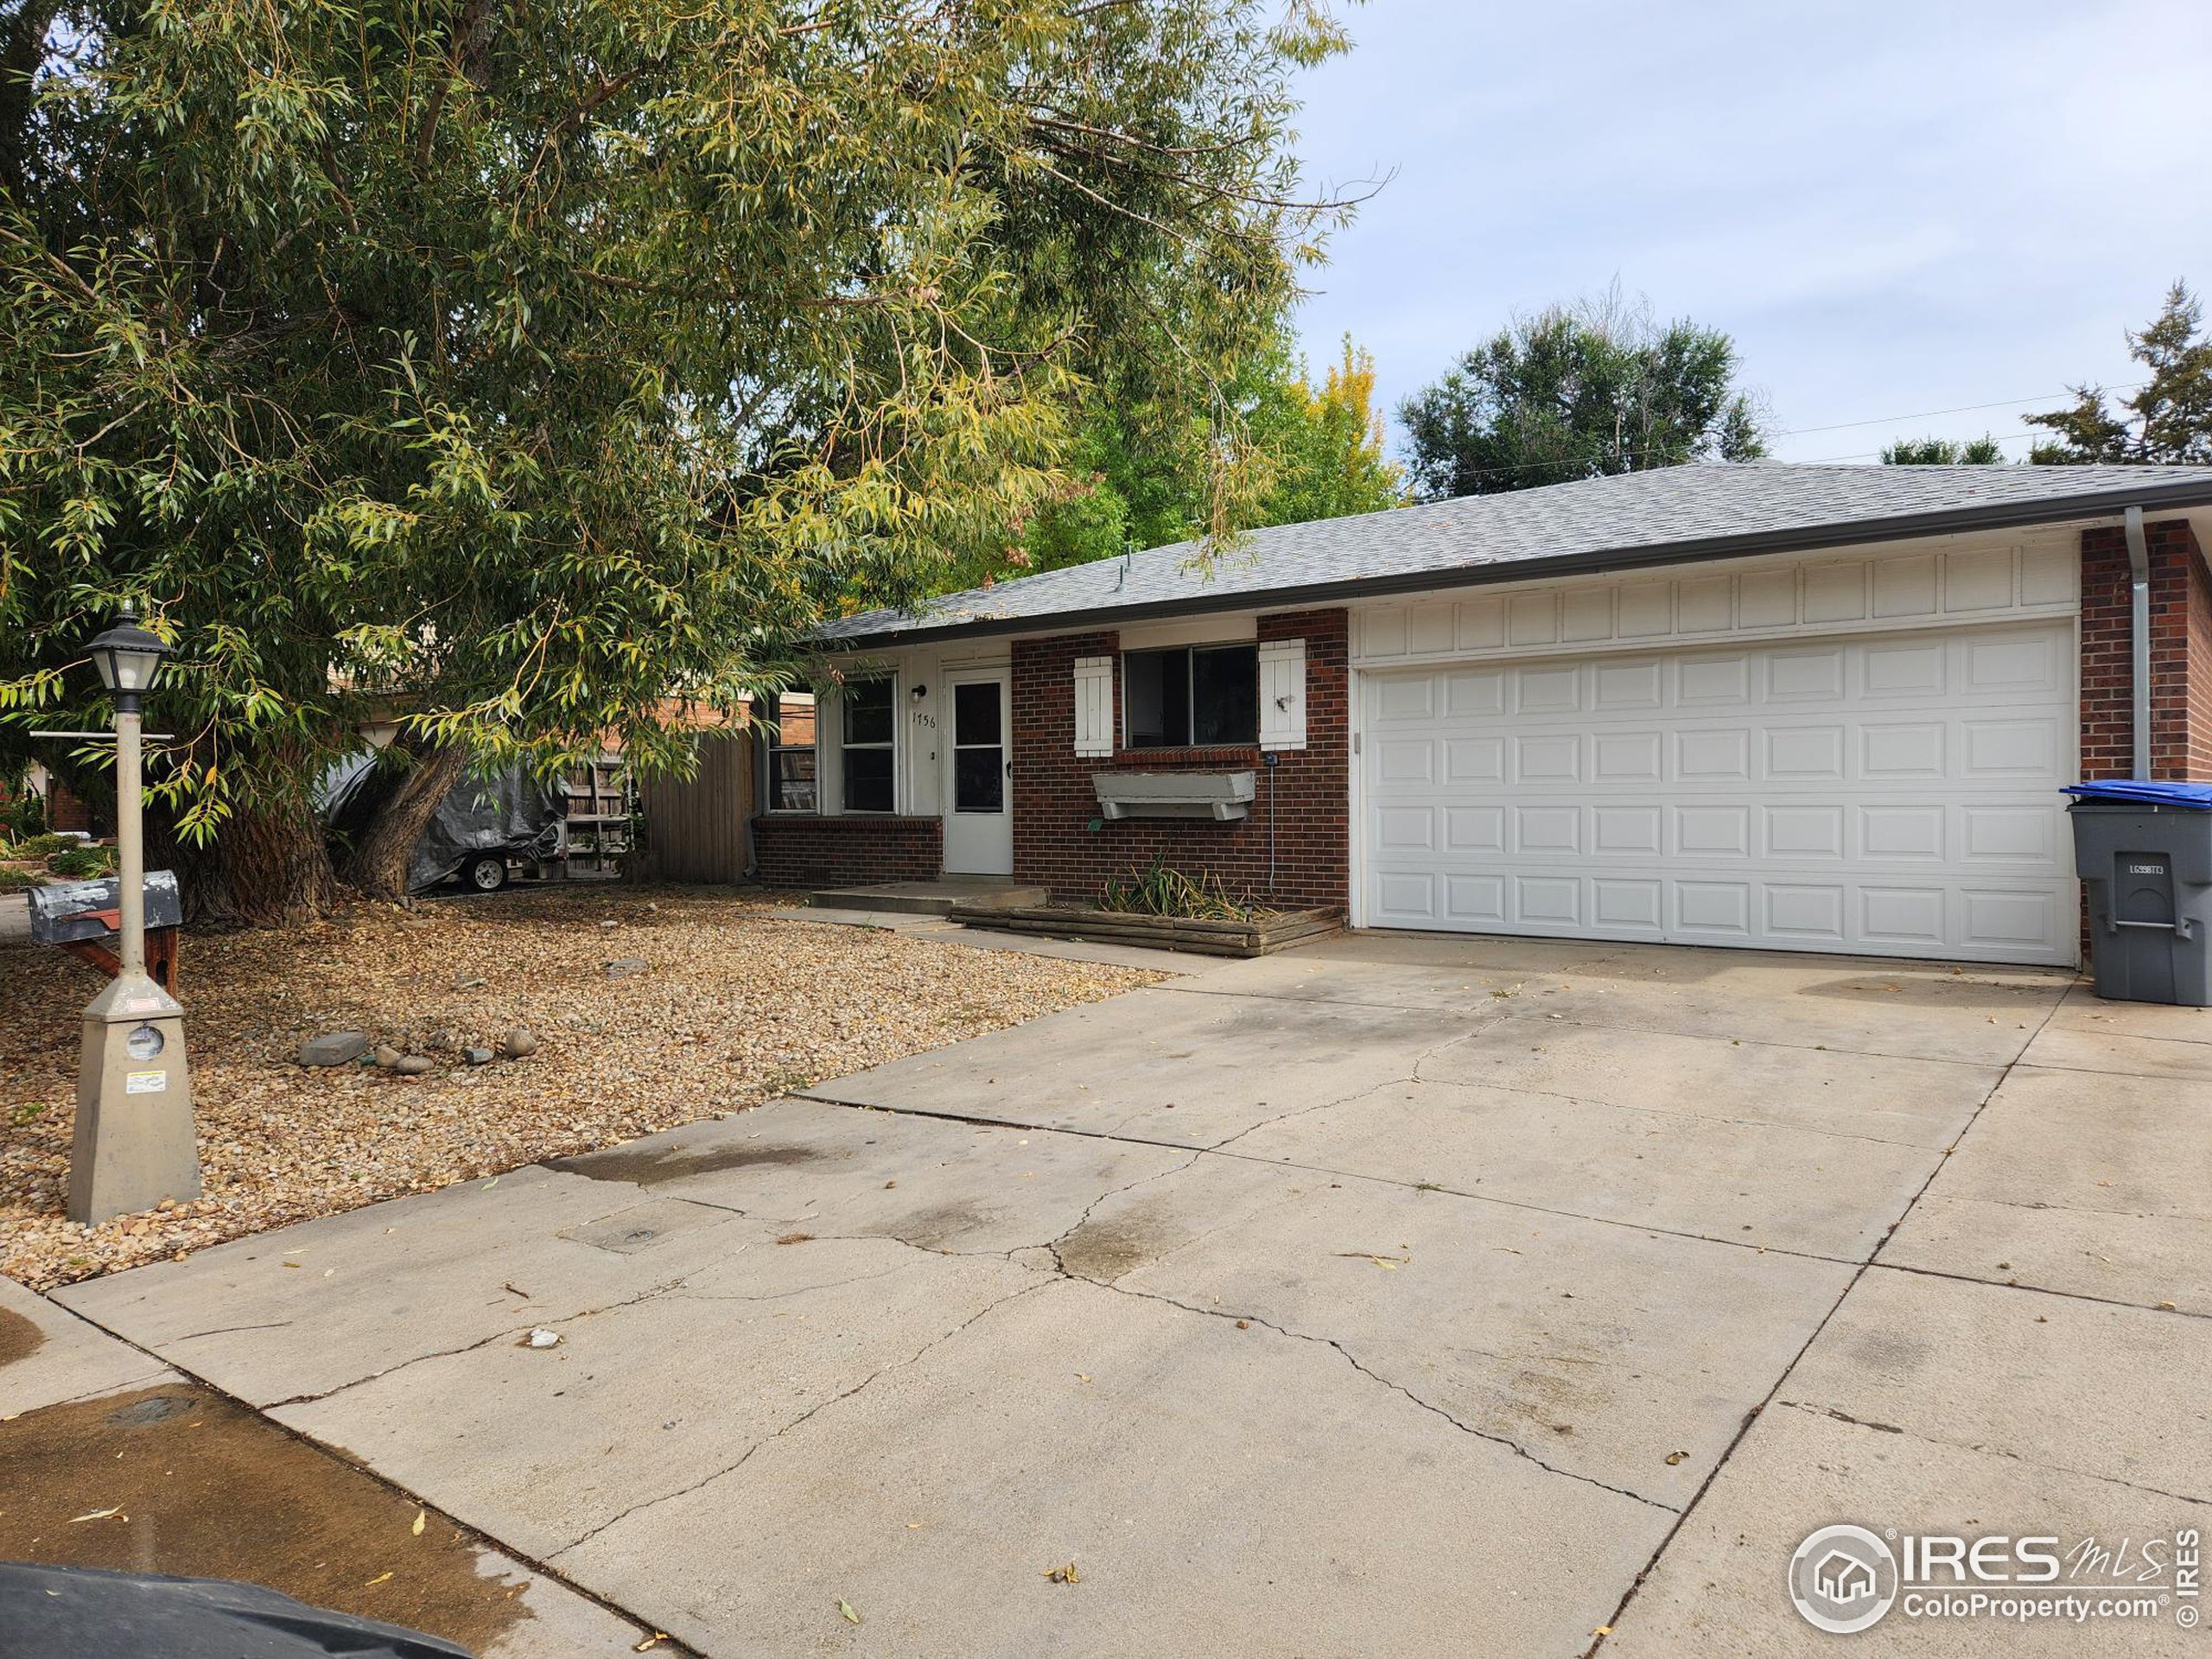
(1397, 1296)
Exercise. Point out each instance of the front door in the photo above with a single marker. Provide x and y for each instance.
(979, 821)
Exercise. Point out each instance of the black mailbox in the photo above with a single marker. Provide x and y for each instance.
(86, 912)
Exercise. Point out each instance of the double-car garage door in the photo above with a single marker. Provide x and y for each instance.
(1891, 795)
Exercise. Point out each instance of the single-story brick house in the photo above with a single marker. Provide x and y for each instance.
(1788, 706)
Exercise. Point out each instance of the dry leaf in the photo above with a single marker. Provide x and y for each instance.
(846, 1608)
(1674, 1458)
(100, 1515)
(421, 1517)
(650, 1642)
(795, 1238)
(1064, 1575)
(380, 1579)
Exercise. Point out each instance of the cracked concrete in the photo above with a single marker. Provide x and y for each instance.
(1378, 1297)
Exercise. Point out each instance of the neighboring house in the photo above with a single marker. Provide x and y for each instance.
(1792, 707)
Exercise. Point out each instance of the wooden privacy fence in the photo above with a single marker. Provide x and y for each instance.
(696, 831)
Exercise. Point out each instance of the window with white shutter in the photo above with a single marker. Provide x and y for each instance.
(1094, 705)
(1282, 694)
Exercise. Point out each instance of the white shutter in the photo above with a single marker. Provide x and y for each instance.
(1094, 705)
(1282, 694)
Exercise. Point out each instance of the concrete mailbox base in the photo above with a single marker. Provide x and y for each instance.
(134, 1144)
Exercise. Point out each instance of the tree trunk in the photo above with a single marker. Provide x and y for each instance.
(268, 866)
(378, 863)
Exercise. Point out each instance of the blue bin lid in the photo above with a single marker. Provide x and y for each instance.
(2149, 794)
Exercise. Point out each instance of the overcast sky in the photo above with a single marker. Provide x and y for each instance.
(1893, 209)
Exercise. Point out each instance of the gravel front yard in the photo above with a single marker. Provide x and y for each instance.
(732, 1008)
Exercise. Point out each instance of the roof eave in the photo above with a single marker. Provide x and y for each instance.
(2000, 515)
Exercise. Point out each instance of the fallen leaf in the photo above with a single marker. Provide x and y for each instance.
(422, 1516)
(99, 1515)
(650, 1642)
(1674, 1458)
(380, 1579)
(846, 1608)
(1603, 1630)
(795, 1238)
(1064, 1575)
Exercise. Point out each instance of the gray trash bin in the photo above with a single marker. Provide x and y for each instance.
(2144, 851)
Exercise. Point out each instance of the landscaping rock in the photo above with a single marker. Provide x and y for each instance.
(477, 1056)
(413, 1066)
(623, 967)
(520, 1041)
(388, 1057)
(334, 1048)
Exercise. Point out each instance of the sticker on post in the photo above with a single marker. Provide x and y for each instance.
(145, 1083)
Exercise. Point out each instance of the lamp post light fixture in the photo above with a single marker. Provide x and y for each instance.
(134, 1143)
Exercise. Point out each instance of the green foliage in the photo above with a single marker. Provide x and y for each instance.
(1308, 453)
(41, 846)
(1157, 890)
(1984, 451)
(14, 879)
(23, 815)
(2169, 419)
(1579, 393)
(510, 364)
(82, 863)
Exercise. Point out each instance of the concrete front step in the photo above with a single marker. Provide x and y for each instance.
(929, 898)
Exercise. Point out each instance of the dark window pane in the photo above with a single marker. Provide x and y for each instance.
(1159, 698)
(975, 715)
(978, 780)
(867, 712)
(791, 783)
(867, 780)
(1226, 693)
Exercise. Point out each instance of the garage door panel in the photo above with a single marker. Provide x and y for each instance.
(1893, 796)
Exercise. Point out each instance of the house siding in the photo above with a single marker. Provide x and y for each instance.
(2180, 655)
(1293, 848)
(804, 851)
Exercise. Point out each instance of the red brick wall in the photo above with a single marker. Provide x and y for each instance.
(797, 851)
(64, 810)
(1305, 803)
(2180, 655)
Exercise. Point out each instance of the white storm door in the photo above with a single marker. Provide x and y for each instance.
(979, 778)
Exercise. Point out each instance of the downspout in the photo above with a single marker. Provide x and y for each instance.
(2138, 593)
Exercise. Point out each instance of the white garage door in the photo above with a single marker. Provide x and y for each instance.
(1892, 796)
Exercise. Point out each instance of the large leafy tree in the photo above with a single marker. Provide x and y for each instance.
(1578, 392)
(1308, 452)
(507, 365)
(2169, 417)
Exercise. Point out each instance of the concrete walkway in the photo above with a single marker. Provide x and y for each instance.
(1396, 1296)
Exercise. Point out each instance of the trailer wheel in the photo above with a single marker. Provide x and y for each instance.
(488, 873)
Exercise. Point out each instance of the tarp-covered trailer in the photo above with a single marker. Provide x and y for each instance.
(480, 830)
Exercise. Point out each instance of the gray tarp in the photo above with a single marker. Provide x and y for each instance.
(509, 812)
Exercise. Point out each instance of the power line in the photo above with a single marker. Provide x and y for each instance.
(1929, 413)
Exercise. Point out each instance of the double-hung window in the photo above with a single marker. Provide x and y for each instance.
(790, 718)
(1192, 697)
(867, 749)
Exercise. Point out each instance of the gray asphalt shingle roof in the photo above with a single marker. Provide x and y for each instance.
(1660, 516)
